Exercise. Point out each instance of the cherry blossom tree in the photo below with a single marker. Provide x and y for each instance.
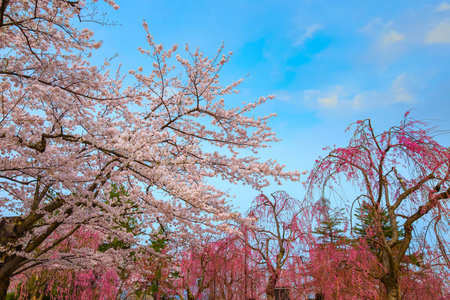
(201, 265)
(68, 129)
(57, 281)
(341, 272)
(403, 171)
(347, 273)
(221, 268)
(282, 230)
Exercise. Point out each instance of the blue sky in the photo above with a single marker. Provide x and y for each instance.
(329, 63)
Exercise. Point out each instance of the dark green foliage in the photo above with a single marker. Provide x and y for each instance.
(367, 228)
(158, 244)
(117, 197)
(330, 227)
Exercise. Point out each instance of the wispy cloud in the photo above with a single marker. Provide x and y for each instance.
(329, 102)
(443, 6)
(386, 41)
(391, 37)
(399, 90)
(394, 39)
(339, 98)
(372, 25)
(307, 34)
(439, 34)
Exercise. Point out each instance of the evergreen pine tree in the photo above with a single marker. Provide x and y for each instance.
(329, 228)
(366, 226)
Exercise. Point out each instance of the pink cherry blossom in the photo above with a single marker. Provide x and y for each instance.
(71, 131)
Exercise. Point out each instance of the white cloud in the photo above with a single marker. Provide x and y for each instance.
(443, 6)
(330, 102)
(344, 100)
(392, 37)
(399, 91)
(439, 34)
(364, 100)
(387, 41)
(338, 98)
(373, 24)
(309, 32)
(283, 95)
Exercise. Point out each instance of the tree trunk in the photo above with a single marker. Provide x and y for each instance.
(4, 284)
(9, 233)
(7, 267)
(270, 288)
(392, 287)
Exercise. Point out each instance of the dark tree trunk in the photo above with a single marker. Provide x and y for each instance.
(8, 264)
(271, 284)
(319, 296)
(282, 293)
(392, 287)
(7, 268)
(4, 285)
